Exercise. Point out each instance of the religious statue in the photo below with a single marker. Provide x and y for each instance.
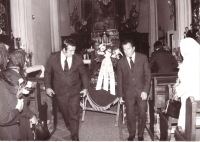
(77, 24)
(134, 17)
(74, 18)
(104, 38)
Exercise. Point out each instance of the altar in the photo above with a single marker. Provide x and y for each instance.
(109, 16)
(84, 40)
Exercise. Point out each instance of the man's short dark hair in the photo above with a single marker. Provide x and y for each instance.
(157, 43)
(68, 42)
(124, 42)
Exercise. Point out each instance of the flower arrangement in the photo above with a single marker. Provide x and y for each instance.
(104, 76)
(24, 87)
(111, 50)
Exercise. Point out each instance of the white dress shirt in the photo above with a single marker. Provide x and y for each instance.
(63, 58)
(133, 59)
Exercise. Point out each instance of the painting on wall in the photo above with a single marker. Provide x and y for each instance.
(103, 15)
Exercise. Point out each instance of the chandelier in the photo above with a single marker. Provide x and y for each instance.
(105, 2)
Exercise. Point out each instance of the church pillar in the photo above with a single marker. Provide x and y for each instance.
(183, 19)
(55, 24)
(153, 24)
(15, 24)
(18, 21)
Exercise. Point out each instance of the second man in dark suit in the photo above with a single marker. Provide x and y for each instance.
(133, 84)
(162, 61)
(67, 71)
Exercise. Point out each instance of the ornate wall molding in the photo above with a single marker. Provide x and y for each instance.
(5, 17)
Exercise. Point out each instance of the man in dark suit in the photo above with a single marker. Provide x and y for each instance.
(133, 84)
(162, 61)
(66, 70)
(191, 33)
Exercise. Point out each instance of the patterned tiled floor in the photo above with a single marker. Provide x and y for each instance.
(96, 127)
(61, 133)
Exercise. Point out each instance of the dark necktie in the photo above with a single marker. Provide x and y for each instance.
(131, 63)
(66, 68)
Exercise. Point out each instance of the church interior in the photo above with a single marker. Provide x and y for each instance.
(40, 28)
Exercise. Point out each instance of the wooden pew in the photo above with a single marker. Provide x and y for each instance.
(166, 122)
(157, 100)
(192, 130)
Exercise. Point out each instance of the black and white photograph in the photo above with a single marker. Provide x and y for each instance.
(99, 70)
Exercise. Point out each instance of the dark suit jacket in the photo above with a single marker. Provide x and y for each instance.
(10, 115)
(133, 83)
(191, 34)
(9, 129)
(65, 82)
(163, 61)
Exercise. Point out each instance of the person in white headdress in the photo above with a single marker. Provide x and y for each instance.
(189, 75)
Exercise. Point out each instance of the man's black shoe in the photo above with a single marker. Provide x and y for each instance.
(75, 139)
(130, 138)
(140, 138)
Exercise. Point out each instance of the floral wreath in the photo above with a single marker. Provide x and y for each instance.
(105, 77)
